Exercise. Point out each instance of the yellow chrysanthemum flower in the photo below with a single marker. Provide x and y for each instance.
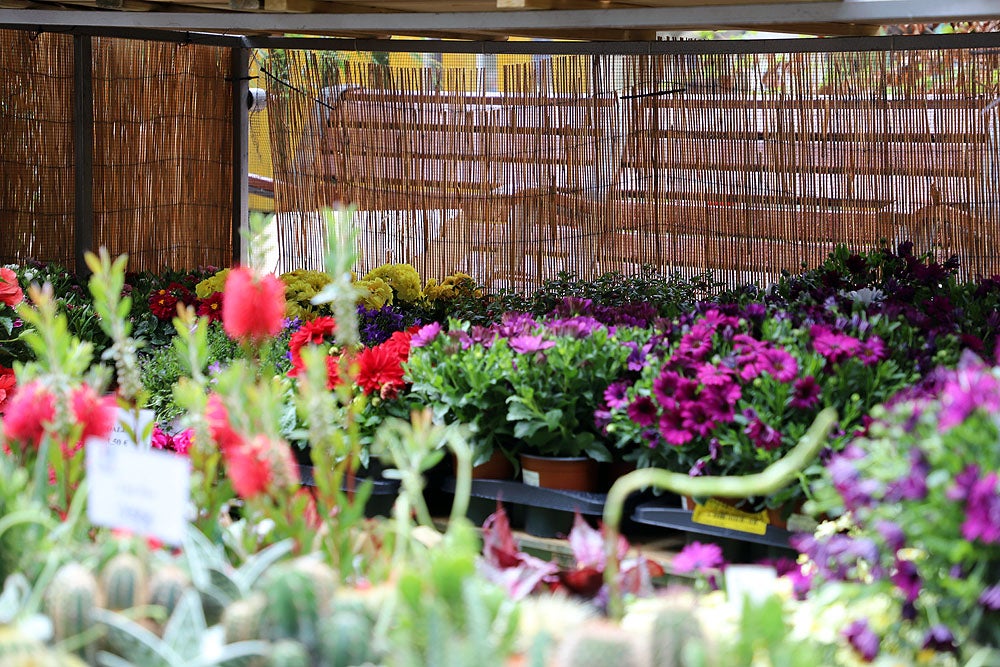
(402, 278)
(375, 293)
(211, 285)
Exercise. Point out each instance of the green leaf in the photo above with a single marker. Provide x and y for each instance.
(186, 623)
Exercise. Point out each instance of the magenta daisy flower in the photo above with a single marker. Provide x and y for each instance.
(698, 557)
(805, 393)
(642, 411)
(780, 364)
(672, 428)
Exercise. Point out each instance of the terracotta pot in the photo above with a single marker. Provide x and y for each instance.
(569, 473)
(497, 467)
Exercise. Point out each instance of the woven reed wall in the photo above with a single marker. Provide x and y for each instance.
(747, 165)
(162, 176)
(36, 147)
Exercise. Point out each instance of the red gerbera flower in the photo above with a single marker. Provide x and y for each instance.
(380, 368)
(211, 307)
(10, 291)
(32, 407)
(8, 381)
(252, 309)
(314, 332)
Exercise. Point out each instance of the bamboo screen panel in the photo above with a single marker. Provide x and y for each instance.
(36, 147)
(745, 165)
(162, 153)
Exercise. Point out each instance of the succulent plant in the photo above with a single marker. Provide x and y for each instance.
(70, 601)
(241, 621)
(673, 631)
(597, 645)
(346, 638)
(292, 610)
(289, 653)
(166, 587)
(123, 581)
(18, 650)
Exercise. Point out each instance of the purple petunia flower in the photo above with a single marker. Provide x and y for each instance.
(805, 393)
(425, 335)
(528, 344)
(862, 639)
(698, 557)
(642, 411)
(982, 511)
(964, 481)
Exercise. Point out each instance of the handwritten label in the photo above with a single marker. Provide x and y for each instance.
(144, 491)
(721, 515)
(530, 477)
(127, 424)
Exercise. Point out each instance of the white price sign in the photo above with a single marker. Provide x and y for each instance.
(144, 491)
(127, 424)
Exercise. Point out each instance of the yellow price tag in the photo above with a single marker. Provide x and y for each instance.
(720, 515)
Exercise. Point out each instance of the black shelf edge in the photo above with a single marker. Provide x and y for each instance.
(657, 514)
(380, 486)
(519, 493)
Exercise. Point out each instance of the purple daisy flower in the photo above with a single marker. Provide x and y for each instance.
(780, 364)
(616, 395)
(528, 344)
(939, 638)
(698, 557)
(990, 598)
(425, 335)
(672, 428)
(805, 393)
(982, 511)
(642, 411)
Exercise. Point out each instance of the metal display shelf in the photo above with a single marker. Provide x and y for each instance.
(519, 493)
(655, 513)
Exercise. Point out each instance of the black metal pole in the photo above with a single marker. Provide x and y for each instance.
(83, 150)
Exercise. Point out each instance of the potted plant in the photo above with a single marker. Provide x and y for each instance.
(727, 391)
(528, 386)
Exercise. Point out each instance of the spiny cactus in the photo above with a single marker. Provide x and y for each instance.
(123, 581)
(598, 645)
(167, 586)
(346, 638)
(292, 610)
(241, 621)
(288, 653)
(323, 578)
(70, 602)
(17, 650)
(673, 631)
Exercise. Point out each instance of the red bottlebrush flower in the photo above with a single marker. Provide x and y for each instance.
(252, 309)
(211, 307)
(8, 381)
(259, 465)
(219, 427)
(380, 369)
(32, 407)
(10, 291)
(97, 414)
(163, 304)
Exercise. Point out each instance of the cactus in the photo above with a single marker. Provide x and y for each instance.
(167, 586)
(288, 653)
(17, 650)
(70, 602)
(292, 611)
(673, 630)
(598, 645)
(241, 621)
(323, 578)
(123, 581)
(346, 638)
